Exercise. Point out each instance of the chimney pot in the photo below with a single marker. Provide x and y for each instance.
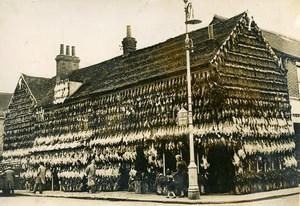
(68, 50)
(211, 31)
(66, 64)
(62, 49)
(128, 31)
(73, 50)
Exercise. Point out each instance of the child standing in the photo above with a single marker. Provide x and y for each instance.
(171, 186)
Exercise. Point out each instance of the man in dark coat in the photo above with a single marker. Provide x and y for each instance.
(9, 178)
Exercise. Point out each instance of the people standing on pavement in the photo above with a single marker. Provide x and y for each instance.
(182, 176)
(40, 179)
(171, 186)
(9, 178)
(91, 175)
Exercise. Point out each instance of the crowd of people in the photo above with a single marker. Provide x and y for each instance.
(92, 179)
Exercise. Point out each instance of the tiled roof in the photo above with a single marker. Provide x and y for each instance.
(157, 60)
(277, 41)
(217, 19)
(283, 43)
(40, 87)
(49, 93)
(160, 59)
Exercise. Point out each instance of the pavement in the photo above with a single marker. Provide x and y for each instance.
(151, 197)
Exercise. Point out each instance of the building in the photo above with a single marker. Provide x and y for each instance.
(288, 50)
(124, 112)
(4, 100)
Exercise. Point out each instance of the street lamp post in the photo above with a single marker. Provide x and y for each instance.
(193, 190)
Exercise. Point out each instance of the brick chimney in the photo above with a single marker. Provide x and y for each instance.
(66, 63)
(128, 43)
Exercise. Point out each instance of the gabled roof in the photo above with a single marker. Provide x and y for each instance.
(161, 59)
(39, 87)
(279, 42)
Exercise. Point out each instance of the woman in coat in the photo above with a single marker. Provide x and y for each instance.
(181, 175)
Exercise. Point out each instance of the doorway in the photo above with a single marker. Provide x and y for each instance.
(221, 170)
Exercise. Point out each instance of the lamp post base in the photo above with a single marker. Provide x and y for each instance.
(194, 194)
(193, 190)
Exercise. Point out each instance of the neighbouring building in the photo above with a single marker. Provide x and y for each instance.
(4, 100)
(288, 49)
(123, 113)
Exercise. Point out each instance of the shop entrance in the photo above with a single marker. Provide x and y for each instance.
(170, 161)
(55, 181)
(221, 170)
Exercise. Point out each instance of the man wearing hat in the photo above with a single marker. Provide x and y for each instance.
(9, 177)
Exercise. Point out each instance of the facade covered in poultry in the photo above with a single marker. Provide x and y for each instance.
(123, 112)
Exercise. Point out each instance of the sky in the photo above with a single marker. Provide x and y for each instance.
(31, 31)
